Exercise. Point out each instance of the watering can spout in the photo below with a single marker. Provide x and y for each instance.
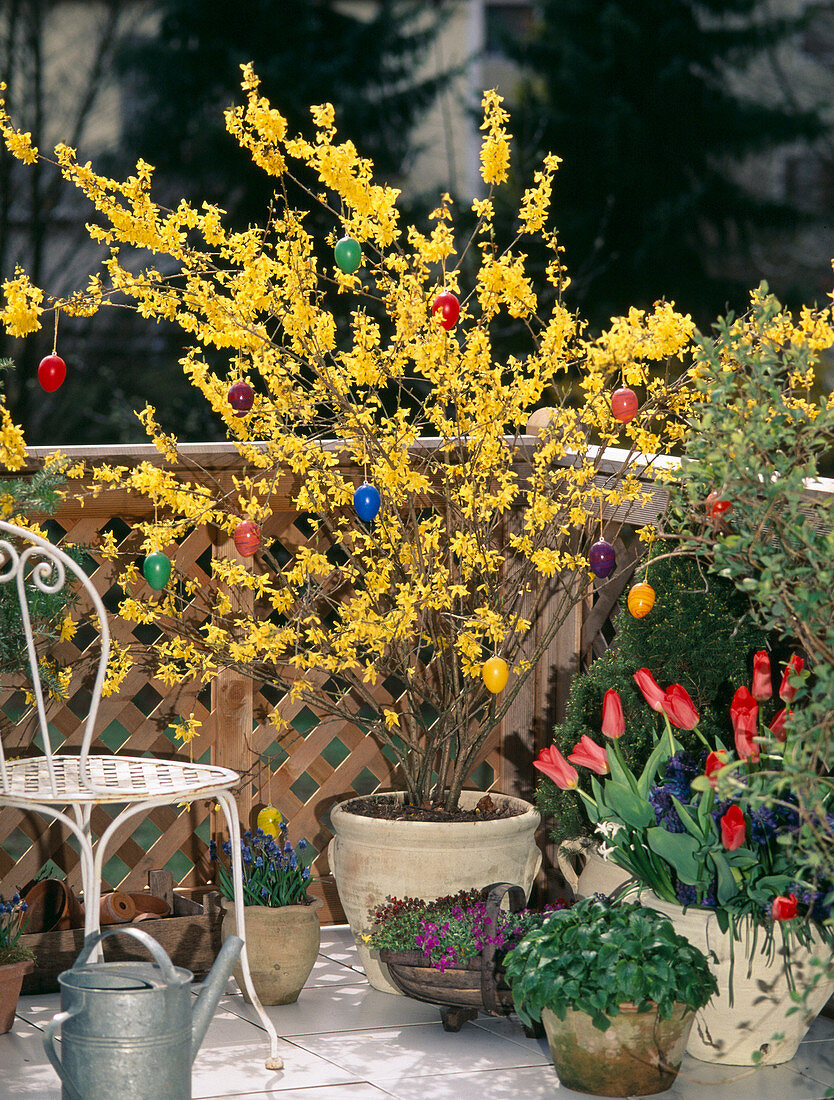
(212, 991)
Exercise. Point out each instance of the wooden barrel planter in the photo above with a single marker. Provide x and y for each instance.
(461, 992)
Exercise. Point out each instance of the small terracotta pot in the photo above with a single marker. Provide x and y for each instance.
(11, 980)
(116, 908)
(149, 907)
(637, 1055)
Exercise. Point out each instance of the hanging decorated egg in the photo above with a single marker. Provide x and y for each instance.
(52, 370)
(495, 674)
(640, 600)
(247, 536)
(447, 305)
(241, 396)
(348, 255)
(541, 419)
(269, 820)
(717, 508)
(366, 501)
(602, 558)
(624, 404)
(157, 569)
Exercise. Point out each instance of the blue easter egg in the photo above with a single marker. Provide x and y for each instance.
(366, 501)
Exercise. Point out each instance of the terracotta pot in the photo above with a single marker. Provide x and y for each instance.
(52, 906)
(282, 945)
(373, 860)
(637, 1055)
(585, 871)
(744, 1033)
(148, 906)
(116, 908)
(11, 980)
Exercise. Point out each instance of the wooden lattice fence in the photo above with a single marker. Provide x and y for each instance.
(305, 774)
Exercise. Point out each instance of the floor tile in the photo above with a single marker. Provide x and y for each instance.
(531, 1083)
(340, 1009)
(358, 1091)
(705, 1079)
(24, 1069)
(229, 1070)
(397, 1054)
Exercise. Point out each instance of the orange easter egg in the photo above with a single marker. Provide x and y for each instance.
(641, 600)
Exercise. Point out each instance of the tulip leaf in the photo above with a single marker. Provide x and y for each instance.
(688, 821)
(679, 850)
(628, 805)
(660, 754)
(727, 885)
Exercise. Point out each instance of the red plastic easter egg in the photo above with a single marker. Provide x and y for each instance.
(241, 396)
(624, 404)
(247, 538)
(449, 308)
(52, 370)
(717, 508)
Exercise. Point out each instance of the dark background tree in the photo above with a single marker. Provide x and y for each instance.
(166, 69)
(640, 102)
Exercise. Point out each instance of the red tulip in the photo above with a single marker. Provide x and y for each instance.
(786, 690)
(613, 722)
(762, 685)
(777, 726)
(679, 708)
(784, 908)
(653, 693)
(555, 767)
(588, 754)
(715, 762)
(744, 712)
(733, 828)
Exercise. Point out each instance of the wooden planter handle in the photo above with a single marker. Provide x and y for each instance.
(517, 900)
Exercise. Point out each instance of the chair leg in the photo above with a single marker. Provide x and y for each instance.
(229, 806)
(90, 880)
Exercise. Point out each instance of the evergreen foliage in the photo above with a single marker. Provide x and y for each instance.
(305, 53)
(699, 634)
(640, 102)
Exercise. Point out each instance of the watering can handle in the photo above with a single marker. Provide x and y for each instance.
(160, 957)
(52, 1051)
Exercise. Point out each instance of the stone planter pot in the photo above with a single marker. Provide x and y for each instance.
(732, 1034)
(373, 860)
(638, 1055)
(585, 871)
(282, 945)
(11, 980)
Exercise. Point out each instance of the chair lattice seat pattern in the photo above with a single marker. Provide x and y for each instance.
(113, 779)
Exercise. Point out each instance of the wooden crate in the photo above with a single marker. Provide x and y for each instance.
(190, 936)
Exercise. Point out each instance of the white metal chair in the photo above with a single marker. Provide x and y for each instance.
(53, 783)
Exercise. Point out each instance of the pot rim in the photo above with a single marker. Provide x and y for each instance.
(528, 816)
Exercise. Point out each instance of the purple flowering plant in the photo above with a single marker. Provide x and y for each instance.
(12, 925)
(274, 872)
(450, 930)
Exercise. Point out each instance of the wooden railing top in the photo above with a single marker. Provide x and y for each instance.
(225, 456)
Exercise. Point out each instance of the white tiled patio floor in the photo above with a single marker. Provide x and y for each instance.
(346, 1041)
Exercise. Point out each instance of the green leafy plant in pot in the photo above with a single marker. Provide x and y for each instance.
(283, 933)
(606, 964)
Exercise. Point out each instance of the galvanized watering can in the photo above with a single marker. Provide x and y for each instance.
(127, 1028)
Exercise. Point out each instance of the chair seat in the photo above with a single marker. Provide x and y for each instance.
(115, 779)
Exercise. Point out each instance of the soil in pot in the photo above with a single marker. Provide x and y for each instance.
(637, 1055)
(392, 808)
